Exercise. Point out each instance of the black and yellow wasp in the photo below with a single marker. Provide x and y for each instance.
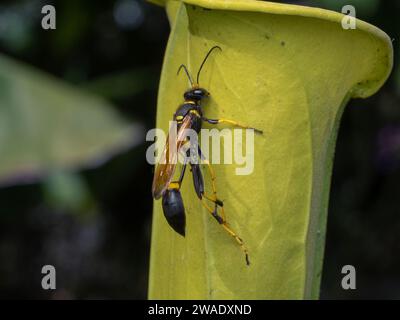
(189, 115)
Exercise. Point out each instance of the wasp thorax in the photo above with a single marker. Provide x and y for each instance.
(195, 94)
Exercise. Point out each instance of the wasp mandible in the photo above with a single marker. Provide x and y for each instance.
(189, 115)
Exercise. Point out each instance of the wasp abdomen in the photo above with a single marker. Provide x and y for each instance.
(174, 211)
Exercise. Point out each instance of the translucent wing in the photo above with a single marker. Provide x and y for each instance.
(166, 167)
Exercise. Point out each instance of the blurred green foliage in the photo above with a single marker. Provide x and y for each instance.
(69, 192)
(46, 125)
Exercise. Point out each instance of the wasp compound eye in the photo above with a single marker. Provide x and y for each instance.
(174, 210)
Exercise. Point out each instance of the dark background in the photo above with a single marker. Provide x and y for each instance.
(101, 249)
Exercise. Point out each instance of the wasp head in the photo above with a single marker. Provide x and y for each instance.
(195, 94)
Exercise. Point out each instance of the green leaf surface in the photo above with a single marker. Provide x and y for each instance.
(46, 124)
(289, 71)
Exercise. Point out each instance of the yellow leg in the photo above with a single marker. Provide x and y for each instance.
(213, 198)
(224, 224)
(232, 122)
(221, 219)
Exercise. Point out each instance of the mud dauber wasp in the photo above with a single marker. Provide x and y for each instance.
(189, 115)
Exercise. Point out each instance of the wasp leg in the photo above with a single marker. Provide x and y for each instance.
(225, 225)
(199, 186)
(198, 180)
(214, 198)
(199, 183)
(232, 122)
(220, 219)
(214, 188)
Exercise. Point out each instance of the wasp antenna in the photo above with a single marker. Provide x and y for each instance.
(182, 66)
(204, 61)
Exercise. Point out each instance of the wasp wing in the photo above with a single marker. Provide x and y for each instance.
(166, 167)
